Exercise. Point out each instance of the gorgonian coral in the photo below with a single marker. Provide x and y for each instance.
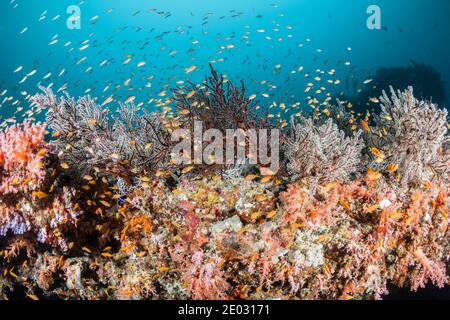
(321, 153)
(90, 138)
(344, 119)
(411, 134)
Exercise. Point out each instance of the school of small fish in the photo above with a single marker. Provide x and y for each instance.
(141, 63)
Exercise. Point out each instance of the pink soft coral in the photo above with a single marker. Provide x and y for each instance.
(325, 205)
(22, 152)
(31, 200)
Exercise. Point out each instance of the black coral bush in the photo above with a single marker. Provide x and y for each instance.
(218, 104)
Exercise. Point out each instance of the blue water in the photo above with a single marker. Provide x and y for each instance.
(313, 34)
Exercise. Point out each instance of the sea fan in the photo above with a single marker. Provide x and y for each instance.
(321, 153)
(344, 119)
(218, 104)
(412, 134)
(90, 138)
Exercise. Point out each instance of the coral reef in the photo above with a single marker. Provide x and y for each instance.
(352, 212)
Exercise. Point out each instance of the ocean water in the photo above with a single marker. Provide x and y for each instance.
(276, 46)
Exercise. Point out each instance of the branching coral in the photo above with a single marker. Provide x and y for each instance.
(321, 153)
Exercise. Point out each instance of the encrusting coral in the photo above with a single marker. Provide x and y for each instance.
(358, 210)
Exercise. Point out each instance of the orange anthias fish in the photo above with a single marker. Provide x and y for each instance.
(392, 168)
(365, 126)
